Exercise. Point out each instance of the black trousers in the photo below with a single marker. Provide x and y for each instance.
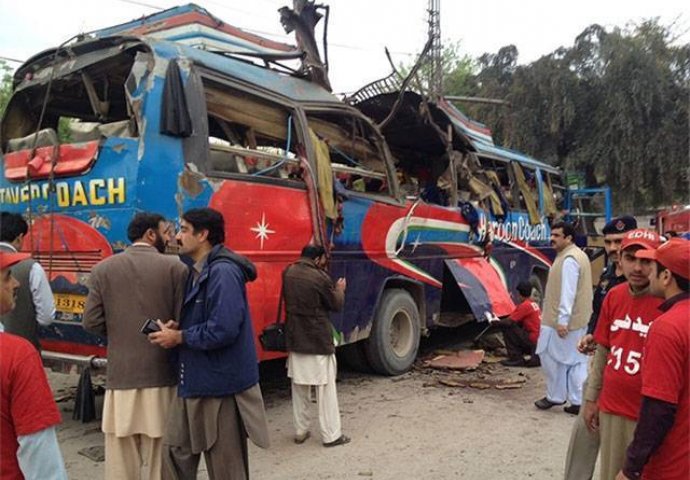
(517, 341)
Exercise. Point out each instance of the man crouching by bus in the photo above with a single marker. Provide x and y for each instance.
(124, 291)
(521, 330)
(28, 414)
(219, 400)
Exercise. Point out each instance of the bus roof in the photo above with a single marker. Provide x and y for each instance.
(291, 87)
(193, 25)
(288, 86)
(505, 154)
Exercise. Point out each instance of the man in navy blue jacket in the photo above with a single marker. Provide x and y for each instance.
(219, 400)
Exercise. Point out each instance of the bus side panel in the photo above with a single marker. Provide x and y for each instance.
(270, 224)
(95, 209)
(381, 240)
(519, 248)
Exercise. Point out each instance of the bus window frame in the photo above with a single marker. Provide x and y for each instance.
(393, 196)
(292, 110)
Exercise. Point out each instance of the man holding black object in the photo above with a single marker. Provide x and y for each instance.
(125, 290)
(219, 402)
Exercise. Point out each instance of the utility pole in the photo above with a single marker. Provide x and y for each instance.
(436, 60)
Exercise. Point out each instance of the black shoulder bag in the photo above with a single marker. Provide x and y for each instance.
(273, 336)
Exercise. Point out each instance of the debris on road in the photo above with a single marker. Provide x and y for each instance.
(95, 453)
(470, 369)
(459, 360)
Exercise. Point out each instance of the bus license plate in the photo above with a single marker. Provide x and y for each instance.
(68, 303)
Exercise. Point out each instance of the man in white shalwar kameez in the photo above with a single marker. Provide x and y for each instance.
(566, 311)
(309, 295)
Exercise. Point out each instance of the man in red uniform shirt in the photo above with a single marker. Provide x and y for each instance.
(660, 449)
(28, 413)
(613, 393)
(521, 330)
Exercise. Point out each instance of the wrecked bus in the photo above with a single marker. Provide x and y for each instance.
(124, 122)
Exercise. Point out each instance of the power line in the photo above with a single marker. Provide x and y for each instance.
(8, 59)
(142, 4)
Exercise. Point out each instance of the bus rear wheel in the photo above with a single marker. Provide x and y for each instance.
(392, 346)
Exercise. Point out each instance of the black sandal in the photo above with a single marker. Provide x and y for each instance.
(342, 440)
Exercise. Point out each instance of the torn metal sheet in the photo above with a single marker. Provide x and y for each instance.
(482, 286)
(461, 360)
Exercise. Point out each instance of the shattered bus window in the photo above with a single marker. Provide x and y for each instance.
(250, 136)
(345, 142)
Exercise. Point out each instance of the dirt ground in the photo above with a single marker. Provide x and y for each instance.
(407, 427)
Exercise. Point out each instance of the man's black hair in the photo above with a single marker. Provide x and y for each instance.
(207, 219)
(313, 251)
(524, 288)
(568, 229)
(683, 283)
(11, 226)
(141, 223)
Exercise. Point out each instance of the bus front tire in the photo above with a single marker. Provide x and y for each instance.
(392, 346)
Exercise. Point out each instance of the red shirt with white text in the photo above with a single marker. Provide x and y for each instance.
(623, 327)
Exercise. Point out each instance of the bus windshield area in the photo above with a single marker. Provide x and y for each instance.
(75, 102)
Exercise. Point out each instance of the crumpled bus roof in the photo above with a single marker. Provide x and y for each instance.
(194, 26)
(89, 51)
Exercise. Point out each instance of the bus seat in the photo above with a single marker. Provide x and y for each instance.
(90, 131)
(227, 162)
(122, 128)
(46, 138)
(83, 131)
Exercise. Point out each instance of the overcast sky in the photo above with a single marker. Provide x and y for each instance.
(358, 29)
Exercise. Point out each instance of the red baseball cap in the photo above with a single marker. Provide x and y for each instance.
(7, 259)
(674, 255)
(646, 239)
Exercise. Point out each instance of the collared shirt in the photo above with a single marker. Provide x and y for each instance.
(666, 306)
(569, 279)
(607, 281)
(42, 295)
(198, 267)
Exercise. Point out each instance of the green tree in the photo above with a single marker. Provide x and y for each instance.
(458, 70)
(614, 105)
(5, 85)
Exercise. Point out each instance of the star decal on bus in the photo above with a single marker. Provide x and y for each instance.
(262, 231)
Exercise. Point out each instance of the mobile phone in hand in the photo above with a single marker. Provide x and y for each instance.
(150, 326)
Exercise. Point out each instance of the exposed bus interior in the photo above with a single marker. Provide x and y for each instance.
(420, 142)
(438, 162)
(85, 100)
(250, 136)
(353, 150)
(93, 96)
